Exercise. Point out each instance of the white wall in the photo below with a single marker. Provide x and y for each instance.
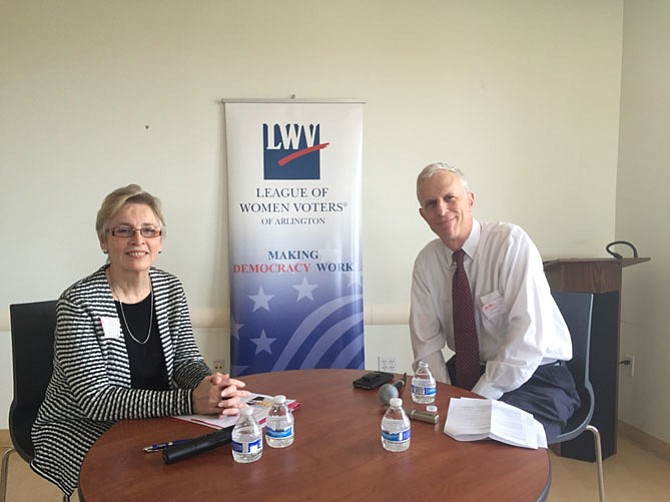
(642, 216)
(522, 95)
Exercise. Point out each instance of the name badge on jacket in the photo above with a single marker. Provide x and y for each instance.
(111, 327)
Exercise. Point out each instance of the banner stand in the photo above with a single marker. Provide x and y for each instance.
(294, 216)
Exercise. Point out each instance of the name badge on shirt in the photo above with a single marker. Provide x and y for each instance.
(493, 306)
(111, 327)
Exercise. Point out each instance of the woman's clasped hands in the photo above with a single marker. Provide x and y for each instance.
(219, 394)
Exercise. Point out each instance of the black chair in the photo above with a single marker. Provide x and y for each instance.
(33, 326)
(576, 309)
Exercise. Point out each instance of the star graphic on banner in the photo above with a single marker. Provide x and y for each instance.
(305, 289)
(263, 343)
(235, 328)
(355, 279)
(261, 300)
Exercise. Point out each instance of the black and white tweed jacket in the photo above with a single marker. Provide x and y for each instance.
(90, 386)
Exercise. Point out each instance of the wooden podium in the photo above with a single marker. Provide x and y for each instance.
(602, 277)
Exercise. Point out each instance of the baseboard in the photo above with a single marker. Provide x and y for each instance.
(646, 441)
(5, 439)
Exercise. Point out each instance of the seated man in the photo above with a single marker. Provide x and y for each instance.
(513, 343)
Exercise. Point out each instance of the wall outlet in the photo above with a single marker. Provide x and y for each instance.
(628, 363)
(219, 365)
(387, 363)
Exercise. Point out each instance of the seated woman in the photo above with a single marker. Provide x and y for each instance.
(124, 346)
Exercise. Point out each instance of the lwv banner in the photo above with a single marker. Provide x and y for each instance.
(294, 203)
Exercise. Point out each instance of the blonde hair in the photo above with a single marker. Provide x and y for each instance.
(130, 194)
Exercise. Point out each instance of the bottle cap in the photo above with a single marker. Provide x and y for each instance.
(431, 408)
(396, 402)
(280, 399)
(247, 410)
(423, 364)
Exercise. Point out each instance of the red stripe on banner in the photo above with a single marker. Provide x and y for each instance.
(300, 153)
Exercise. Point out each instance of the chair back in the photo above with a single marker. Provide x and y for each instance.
(33, 326)
(576, 309)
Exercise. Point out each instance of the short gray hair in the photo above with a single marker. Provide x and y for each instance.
(431, 169)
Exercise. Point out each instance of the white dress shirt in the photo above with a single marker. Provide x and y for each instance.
(518, 323)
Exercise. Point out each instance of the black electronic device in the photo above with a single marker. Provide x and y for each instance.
(372, 380)
(198, 445)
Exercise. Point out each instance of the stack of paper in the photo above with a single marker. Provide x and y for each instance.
(474, 419)
(259, 402)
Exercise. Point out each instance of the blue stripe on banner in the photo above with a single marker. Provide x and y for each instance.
(325, 337)
(273, 332)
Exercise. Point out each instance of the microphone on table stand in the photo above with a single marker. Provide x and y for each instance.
(388, 391)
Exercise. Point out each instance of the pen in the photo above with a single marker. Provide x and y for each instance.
(162, 446)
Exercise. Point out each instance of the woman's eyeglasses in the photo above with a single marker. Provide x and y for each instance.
(128, 231)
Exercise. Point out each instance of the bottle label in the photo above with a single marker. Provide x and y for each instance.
(279, 433)
(397, 437)
(423, 391)
(251, 447)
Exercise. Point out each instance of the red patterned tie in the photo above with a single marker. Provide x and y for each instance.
(465, 330)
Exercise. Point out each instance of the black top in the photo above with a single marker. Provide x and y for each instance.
(147, 361)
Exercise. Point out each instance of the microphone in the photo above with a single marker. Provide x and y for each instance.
(198, 445)
(616, 255)
(389, 391)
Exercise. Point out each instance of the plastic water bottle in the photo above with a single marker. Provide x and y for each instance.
(396, 431)
(279, 430)
(247, 444)
(423, 385)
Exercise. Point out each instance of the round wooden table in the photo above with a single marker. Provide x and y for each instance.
(337, 455)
